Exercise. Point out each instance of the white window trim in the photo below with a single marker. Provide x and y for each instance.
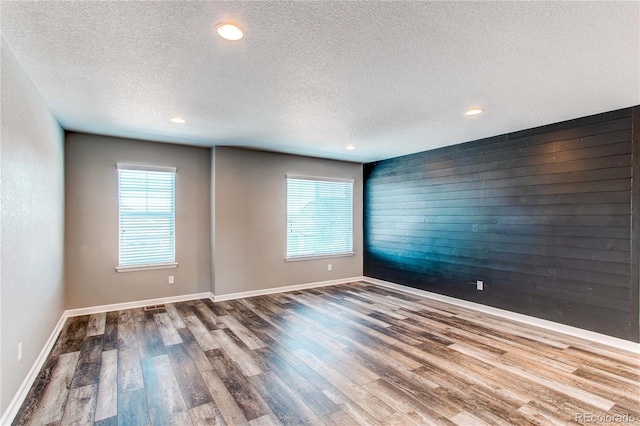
(145, 167)
(319, 256)
(324, 179)
(146, 267)
(151, 168)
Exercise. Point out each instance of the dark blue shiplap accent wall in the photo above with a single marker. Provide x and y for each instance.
(542, 216)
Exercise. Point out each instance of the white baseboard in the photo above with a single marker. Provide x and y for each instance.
(15, 404)
(525, 319)
(20, 396)
(18, 399)
(135, 304)
(252, 293)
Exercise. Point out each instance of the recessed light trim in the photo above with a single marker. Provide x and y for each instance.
(474, 111)
(230, 31)
(351, 147)
(178, 120)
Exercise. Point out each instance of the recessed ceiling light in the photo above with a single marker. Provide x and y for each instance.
(474, 111)
(178, 120)
(351, 147)
(229, 31)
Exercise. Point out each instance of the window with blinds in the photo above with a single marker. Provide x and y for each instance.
(319, 217)
(146, 200)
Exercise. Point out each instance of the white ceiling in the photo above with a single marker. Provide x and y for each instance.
(311, 78)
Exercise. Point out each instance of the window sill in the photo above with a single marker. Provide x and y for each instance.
(135, 268)
(321, 256)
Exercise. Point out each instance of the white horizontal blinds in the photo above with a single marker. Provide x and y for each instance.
(319, 217)
(146, 201)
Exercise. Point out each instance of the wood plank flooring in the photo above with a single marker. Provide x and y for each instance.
(340, 355)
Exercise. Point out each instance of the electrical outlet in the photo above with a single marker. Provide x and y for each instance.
(480, 285)
(171, 279)
(19, 351)
(329, 267)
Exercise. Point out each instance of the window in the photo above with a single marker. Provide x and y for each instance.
(146, 201)
(319, 217)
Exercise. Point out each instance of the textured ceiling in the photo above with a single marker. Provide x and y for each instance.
(311, 78)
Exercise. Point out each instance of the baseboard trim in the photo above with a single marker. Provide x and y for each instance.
(522, 318)
(15, 404)
(273, 290)
(18, 399)
(135, 304)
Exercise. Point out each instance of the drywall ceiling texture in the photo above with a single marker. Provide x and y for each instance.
(310, 78)
(32, 223)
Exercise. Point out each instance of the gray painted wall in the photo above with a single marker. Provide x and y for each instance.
(91, 248)
(250, 221)
(31, 224)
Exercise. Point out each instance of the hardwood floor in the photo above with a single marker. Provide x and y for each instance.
(347, 354)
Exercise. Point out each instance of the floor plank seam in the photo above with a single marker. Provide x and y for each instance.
(344, 354)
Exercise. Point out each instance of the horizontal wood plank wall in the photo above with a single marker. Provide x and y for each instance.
(542, 216)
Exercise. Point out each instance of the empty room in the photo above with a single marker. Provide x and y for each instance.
(329, 213)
